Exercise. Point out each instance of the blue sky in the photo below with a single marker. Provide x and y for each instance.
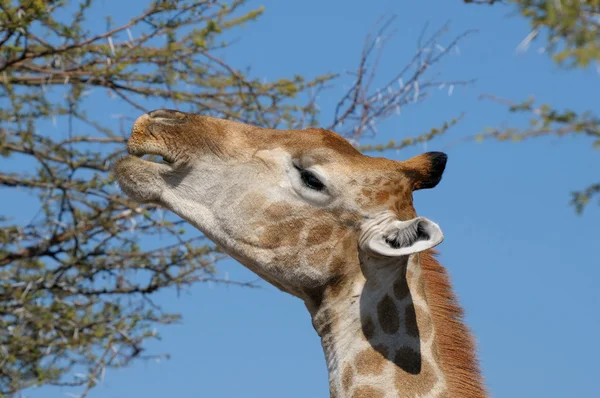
(516, 252)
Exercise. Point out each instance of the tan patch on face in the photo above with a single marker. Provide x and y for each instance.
(347, 376)
(349, 244)
(253, 203)
(366, 192)
(278, 210)
(404, 203)
(370, 362)
(413, 376)
(282, 234)
(382, 197)
(319, 234)
(367, 392)
(388, 315)
(410, 321)
(318, 257)
(368, 327)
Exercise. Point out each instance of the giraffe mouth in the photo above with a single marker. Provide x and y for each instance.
(149, 143)
(152, 155)
(156, 158)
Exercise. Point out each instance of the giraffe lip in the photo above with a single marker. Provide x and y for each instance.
(166, 158)
(148, 157)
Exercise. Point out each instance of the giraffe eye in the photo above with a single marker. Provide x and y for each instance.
(310, 180)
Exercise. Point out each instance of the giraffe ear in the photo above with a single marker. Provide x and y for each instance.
(425, 171)
(402, 238)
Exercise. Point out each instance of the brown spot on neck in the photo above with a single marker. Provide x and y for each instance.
(370, 362)
(410, 321)
(319, 234)
(401, 289)
(368, 327)
(347, 376)
(408, 360)
(286, 233)
(388, 315)
(413, 376)
(367, 392)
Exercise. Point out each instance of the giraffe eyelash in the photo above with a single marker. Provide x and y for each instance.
(310, 180)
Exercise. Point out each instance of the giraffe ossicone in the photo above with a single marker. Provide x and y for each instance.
(317, 219)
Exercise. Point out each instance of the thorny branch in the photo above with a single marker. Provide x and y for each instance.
(546, 121)
(78, 276)
(363, 106)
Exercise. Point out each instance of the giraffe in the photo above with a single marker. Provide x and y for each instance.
(314, 217)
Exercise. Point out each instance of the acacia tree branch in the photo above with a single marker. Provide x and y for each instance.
(362, 107)
(83, 257)
(546, 121)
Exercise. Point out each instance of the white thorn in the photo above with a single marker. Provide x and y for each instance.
(416, 95)
(112, 46)
(524, 45)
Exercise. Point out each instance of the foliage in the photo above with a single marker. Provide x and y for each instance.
(79, 278)
(572, 29)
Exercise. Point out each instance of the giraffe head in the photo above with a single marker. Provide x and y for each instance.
(299, 208)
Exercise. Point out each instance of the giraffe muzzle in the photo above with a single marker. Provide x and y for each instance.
(155, 133)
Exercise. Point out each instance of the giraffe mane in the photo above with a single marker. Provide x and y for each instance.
(456, 345)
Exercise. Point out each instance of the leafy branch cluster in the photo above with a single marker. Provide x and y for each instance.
(79, 277)
(572, 29)
(76, 282)
(363, 105)
(546, 121)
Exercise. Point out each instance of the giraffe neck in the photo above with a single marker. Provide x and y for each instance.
(378, 334)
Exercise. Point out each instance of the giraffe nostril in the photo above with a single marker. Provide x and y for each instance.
(167, 114)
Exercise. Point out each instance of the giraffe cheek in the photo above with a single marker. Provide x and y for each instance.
(319, 234)
(284, 234)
